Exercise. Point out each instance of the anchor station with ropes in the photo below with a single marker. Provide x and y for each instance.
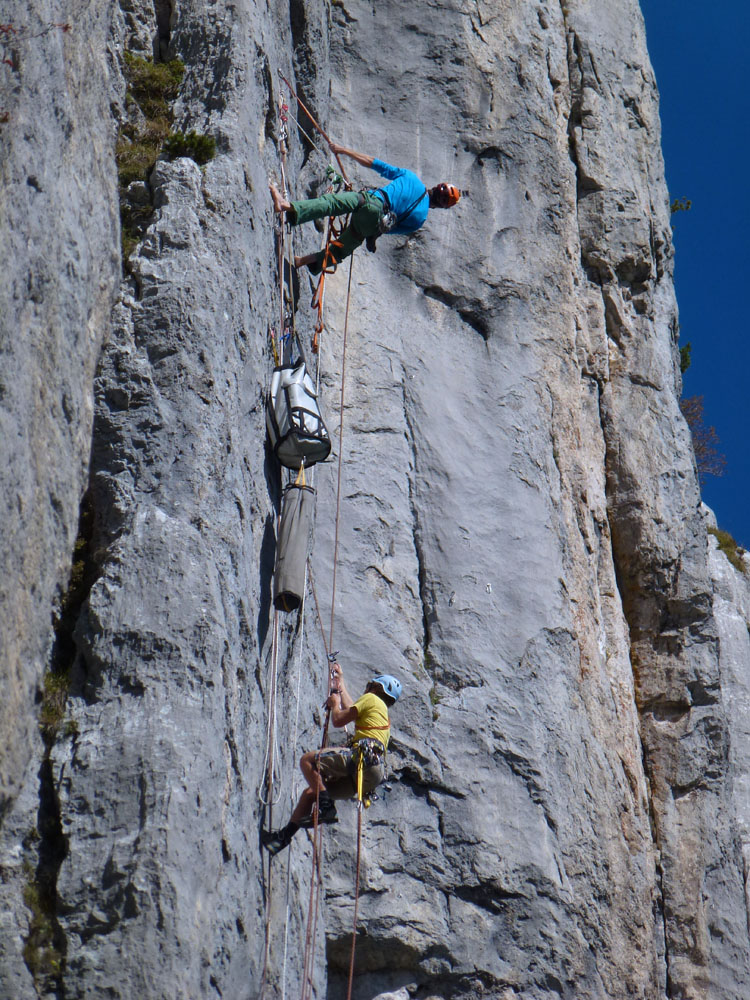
(299, 438)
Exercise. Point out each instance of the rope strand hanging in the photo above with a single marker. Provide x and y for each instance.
(281, 343)
(316, 126)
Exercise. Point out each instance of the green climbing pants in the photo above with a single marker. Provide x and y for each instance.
(364, 221)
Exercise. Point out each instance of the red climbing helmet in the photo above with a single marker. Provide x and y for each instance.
(389, 684)
(447, 195)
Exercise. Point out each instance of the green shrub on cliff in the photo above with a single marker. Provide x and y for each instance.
(153, 86)
(152, 89)
(200, 148)
(730, 548)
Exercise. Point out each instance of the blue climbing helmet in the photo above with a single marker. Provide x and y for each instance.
(389, 684)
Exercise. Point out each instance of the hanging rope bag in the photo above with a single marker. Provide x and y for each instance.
(296, 429)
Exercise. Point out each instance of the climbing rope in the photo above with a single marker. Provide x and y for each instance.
(360, 810)
(306, 134)
(283, 149)
(341, 452)
(265, 792)
(301, 643)
(282, 346)
(315, 882)
(315, 126)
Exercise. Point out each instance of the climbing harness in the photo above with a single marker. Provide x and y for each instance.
(369, 752)
(389, 220)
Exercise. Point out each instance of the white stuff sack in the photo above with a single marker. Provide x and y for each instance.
(295, 426)
(297, 511)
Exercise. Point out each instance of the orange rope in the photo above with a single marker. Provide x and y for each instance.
(341, 450)
(312, 916)
(333, 232)
(315, 125)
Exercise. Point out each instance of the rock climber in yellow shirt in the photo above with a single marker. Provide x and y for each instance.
(332, 773)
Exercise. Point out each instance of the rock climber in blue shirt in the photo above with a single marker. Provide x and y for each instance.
(400, 208)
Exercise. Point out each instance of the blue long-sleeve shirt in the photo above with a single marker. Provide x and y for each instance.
(402, 193)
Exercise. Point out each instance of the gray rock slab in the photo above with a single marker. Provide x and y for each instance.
(58, 243)
(519, 539)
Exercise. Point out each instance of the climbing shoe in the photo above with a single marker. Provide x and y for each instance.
(326, 813)
(327, 810)
(276, 840)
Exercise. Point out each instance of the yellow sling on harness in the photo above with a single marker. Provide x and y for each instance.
(360, 774)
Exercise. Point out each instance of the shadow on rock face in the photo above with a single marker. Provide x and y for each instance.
(265, 572)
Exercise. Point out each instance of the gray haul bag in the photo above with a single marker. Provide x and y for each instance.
(295, 426)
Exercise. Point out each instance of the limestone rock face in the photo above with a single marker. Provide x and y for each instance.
(731, 607)
(519, 538)
(60, 261)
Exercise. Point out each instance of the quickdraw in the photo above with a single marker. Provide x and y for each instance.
(369, 752)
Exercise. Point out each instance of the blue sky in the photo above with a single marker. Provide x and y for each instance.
(699, 54)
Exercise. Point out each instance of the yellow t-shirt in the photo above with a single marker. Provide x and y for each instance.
(372, 719)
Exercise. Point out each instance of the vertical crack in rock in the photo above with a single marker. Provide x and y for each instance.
(86, 567)
(165, 12)
(308, 22)
(584, 183)
(427, 608)
(659, 901)
(46, 944)
(269, 95)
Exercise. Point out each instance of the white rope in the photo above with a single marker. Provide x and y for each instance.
(272, 749)
(311, 141)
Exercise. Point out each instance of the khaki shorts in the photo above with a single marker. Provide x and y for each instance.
(337, 769)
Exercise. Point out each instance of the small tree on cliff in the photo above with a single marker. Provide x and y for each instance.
(709, 459)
